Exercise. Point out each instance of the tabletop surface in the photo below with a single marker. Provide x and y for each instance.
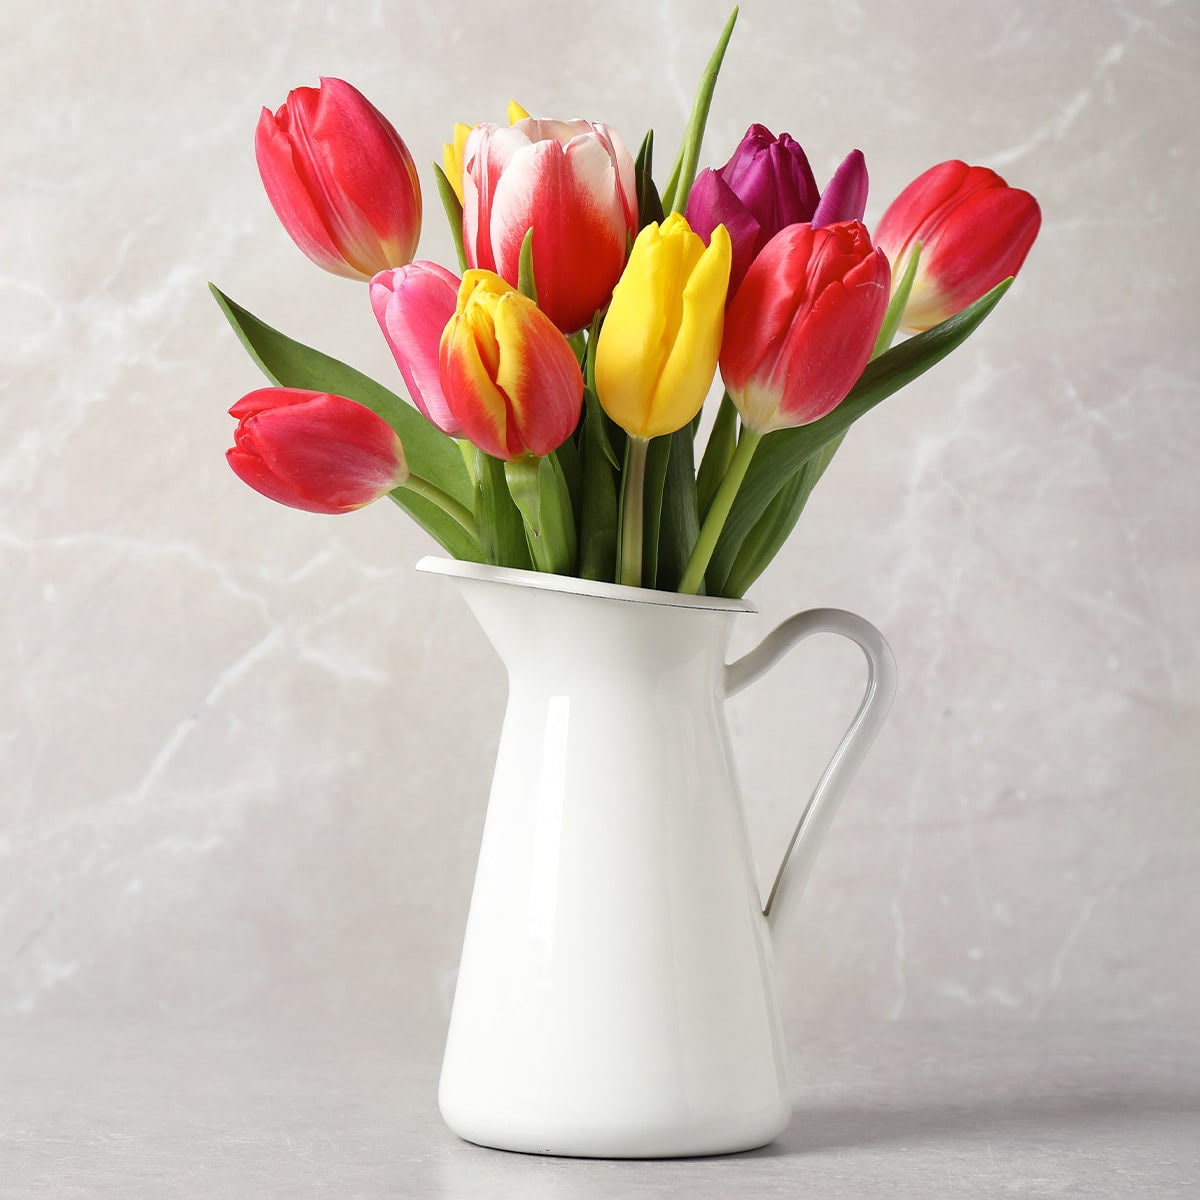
(306, 1108)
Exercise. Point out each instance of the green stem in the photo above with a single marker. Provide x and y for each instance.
(633, 511)
(448, 505)
(718, 511)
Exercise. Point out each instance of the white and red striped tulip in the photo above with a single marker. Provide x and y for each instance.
(572, 183)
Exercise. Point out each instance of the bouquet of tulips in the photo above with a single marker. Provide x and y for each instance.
(557, 381)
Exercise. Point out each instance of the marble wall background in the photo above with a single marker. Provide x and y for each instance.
(244, 751)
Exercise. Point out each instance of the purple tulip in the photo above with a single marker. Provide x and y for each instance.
(766, 186)
(845, 196)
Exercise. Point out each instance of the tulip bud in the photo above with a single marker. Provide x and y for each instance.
(974, 232)
(314, 451)
(803, 324)
(509, 376)
(340, 179)
(412, 305)
(766, 185)
(572, 183)
(661, 337)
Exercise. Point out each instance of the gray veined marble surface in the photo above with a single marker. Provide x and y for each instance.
(244, 751)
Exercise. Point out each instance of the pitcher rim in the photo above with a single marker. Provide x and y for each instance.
(572, 585)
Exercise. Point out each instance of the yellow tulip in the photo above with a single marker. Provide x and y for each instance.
(452, 152)
(661, 338)
(452, 157)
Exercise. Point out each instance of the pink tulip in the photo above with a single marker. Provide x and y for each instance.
(509, 375)
(803, 324)
(572, 183)
(413, 305)
(974, 231)
(314, 451)
(340, 179)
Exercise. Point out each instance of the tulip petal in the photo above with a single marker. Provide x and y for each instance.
(413, 305)
(294, 205)
(845, 196)
(692, 362)
(713, 202)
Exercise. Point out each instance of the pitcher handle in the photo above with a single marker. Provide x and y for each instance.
(881, 687)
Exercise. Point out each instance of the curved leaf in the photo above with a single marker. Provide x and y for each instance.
(784, 452)
(429, 452)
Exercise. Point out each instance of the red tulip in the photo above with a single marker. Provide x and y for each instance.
(314, 451)
(413, 305)
(572, 183)
(508, 374)
(803, 324)
(340, 179)
(974, 231)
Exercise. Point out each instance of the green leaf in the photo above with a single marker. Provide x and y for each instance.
(454, 213)
(650, 207)
(776, 524)
(429, 452)
(558, 514)
(782, 453)
(501, 529)
(540, 492)
(679, 526)
(598, 513)
(526, 284)
(684, 172)
(567, 457)
(657, 457)
(897, 304)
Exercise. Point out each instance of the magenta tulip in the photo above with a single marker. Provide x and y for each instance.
(341, 180)
(803, 324)
(974, 231)
(766, 186)
(314, 451)
(845, 195)
(413, 305)
(572, 183)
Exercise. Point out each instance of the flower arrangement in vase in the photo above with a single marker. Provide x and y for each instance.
(615, 995)
(557, 378)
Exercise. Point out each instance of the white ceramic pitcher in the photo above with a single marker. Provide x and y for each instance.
(615, 995)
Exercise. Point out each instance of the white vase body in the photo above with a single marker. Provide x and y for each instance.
(615, 994)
